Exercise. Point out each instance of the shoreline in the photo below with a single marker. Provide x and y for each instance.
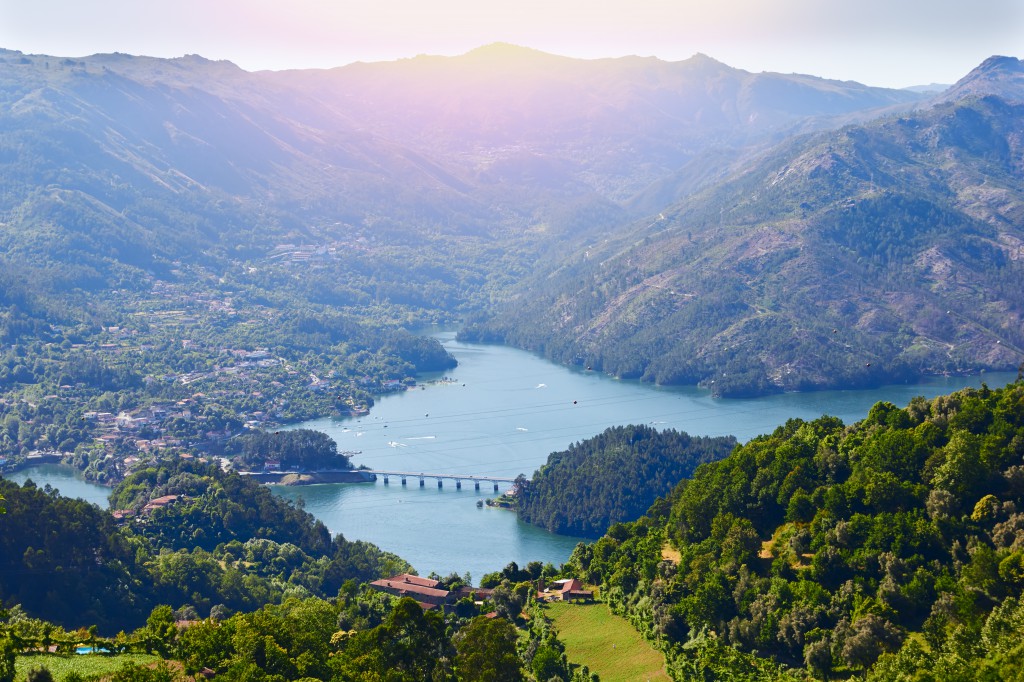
(29, 461)
(294, 478)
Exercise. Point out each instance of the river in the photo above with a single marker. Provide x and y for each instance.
(67, 480)
(500, 413)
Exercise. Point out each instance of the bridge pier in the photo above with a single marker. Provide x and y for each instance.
(404, 476)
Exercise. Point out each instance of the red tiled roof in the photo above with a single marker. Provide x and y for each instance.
(415, 580)
(425, 589)
(159, 502)
(409, 588)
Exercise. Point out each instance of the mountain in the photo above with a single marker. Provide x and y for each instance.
(1000, 76)
(874, 253)
(435, 185)
(509, 114)
(430, 139)
(931, 88)
(187, 153)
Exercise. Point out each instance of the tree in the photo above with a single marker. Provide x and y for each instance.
(962, 471)
(7, 656)
(39, 674)
(507, 602)
(818, 657)
(548, 663)
(161, 629)
(204, 644)
(869, 637)
(409, 646)
(487, 652)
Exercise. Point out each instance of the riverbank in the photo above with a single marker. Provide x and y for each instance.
(310, 477)
(35, 459)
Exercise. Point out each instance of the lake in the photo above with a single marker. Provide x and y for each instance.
(65, 479)
(500, 413)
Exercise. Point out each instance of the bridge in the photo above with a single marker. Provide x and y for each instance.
(458, 478)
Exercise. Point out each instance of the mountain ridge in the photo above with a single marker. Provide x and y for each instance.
(141, 162)
(882, 252)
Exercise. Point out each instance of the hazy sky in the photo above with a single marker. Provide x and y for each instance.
(892, 43)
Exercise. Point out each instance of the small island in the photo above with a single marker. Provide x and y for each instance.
(293, 457)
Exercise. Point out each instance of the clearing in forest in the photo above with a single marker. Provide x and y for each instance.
(605, 643)
(86, 665)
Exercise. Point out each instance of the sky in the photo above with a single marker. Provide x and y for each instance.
(889, 43)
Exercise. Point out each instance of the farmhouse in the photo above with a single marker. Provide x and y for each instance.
(159, 503)
(428, 592)
(569, 589)
(424, 590)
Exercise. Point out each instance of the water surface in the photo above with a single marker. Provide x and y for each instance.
(66, 479)
(501, 412)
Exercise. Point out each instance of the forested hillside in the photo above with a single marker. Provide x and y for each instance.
(877, 253)
(196, 209)
(192, 256)
(212, 539)
(611, 478)
(891, 547)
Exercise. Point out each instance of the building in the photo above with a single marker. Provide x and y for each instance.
(427, 592)
(569, 589)
(159, 503)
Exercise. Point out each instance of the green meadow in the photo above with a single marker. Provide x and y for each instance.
(605, 643)
(86, 665)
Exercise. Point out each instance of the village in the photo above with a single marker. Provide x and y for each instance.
(181, 373)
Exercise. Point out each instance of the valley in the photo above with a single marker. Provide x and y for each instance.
(201, 264)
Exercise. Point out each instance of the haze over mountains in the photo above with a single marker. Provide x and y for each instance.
(672, 221)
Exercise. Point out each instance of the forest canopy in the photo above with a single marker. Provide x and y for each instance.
(291, 450)
(612, 477)
(886, 547)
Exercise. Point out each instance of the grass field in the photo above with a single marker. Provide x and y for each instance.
(86, 665)
(607, 644)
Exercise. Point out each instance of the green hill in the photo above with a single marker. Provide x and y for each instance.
(222, 540)
(611, 478)
(889, 549)
(889, 546)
